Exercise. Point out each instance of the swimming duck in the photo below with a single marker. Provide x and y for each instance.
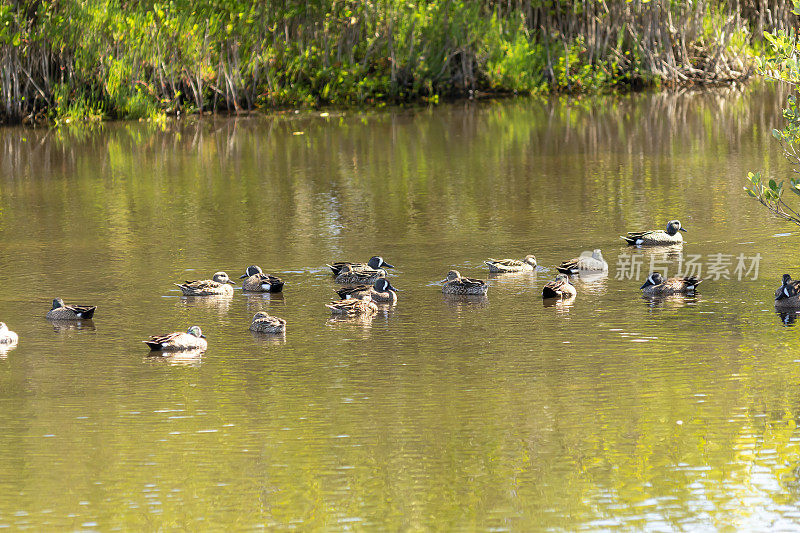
(585, 263)
(559, 288)
(256, 281)
(657, 237)
(381, 292)
(193, 339)
(264, 323)
(788, 294)
(353, 307)
(657, 286)
(374, 263)
(349, 276)
(6, 335)
(219, 285)
(501, 266)
(455, 284)
(60, 311)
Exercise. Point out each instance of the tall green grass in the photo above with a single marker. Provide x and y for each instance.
(93, 59)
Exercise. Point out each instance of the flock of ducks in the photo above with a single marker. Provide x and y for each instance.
(366, 285)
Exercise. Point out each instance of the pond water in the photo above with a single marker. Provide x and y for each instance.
(614, 412)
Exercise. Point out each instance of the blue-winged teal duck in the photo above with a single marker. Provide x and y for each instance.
(657, 237)
(656, 285)
(502, 266)
(264, 323)
(455, 284)
(787, 296)
(349, 276)
(584, 263)
(6, 335)
(193, 339)
(381, 292)
(219, 285)
(559, 288)
(60, 311)
(374, 263)
(256, 281)
(353, 307)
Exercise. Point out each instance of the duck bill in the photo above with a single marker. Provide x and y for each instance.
(646, 284)
(202, 336)
(682, 229)
(386, 265)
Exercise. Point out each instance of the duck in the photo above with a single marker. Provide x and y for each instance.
(353, 307)
(788, 294)
(381, 292)
(455, 284)
(658, 237)
(61, 311)
(585, 263)
(349, 276)
(264, 323)
(376, 262)
(502, 266)
(559, 288)
(7, 336)
(657, 286)
(219, 285)
(256, 281)
(178, 341)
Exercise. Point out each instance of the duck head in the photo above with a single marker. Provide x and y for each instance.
(530, 259)
(221, 277)
(383, 285)
(653, 279)
(252, 270)
(674, 226)
(377, 262)
(195, 330)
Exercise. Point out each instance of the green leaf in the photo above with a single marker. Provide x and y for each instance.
(773, 185)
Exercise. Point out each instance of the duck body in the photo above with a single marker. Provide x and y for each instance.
(668, 237)
(787, 296)
(368, 276)
(264, 323)
(504, 266)
(219, 285)
(192, 339)
(7, 337)
(656, 285)
(256, 281)
(381, 292)
(375, 263)
(353, 307)
(61, 311)
(458, 285)
(588, 263)
(559, 288)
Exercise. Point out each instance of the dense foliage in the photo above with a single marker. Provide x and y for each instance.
(82, 59)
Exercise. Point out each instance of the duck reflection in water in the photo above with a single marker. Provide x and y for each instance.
(191, 358)
(219, 303)
(465, 302)
(64, 325)
(257, 300)
(788, 318)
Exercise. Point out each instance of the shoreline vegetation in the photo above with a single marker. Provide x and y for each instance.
(79, 60)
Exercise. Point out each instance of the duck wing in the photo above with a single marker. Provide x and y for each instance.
(199, 284)
(633, 236)
(156, 342)
(569, 267)
(503, 262)
(553, 288)
(82, 311)
(350, 292)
